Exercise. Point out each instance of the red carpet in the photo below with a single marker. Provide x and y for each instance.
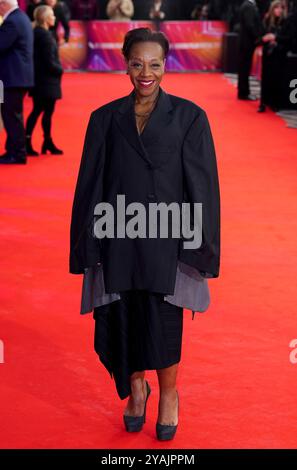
(237, 385)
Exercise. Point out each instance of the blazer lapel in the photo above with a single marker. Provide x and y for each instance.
(158, 121)
(152, 132)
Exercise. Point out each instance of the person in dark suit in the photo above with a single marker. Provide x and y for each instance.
(250, 35)
(150, 147)
(48, 72)
(16, 73)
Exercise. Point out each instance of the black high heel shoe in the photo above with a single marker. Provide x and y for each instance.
(48, 145)
(135, 423)
(166, 432)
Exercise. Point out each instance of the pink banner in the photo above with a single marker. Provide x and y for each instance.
(105, 40)
(74, 54)
(96, 45)
(194, 45)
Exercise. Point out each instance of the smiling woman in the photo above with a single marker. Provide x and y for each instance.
(152, 148)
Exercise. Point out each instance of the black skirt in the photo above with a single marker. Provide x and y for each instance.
(140, 331)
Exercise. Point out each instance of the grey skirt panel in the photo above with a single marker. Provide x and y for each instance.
(191, 290)
(93, 290)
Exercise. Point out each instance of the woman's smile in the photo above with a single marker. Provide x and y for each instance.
(146, 83)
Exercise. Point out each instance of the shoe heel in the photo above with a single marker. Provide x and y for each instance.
(49, 146)
(166, 432)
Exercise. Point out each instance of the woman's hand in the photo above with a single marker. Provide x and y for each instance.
(268, 37)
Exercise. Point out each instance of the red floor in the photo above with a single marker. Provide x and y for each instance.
(237, 385)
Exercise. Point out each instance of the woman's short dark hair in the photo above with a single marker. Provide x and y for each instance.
(144, 35)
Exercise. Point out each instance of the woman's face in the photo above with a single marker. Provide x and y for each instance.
(277, 11)
(146, 67)
(50, 18)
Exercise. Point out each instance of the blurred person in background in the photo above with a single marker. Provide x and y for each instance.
(273, 57)
(16, 73)
(62, 15)
(251, 33)
(120, 10)
(31, 7)
(285, 7)
(291, 26)
(210, 10)
(165, 10)
(61, 12)
(200, 11)
(158, 10)
(230, 13)
(217, 9)
(263, 7)
(48, 72)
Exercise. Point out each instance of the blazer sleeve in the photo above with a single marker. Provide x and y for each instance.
(8, 35)
(84, 247)
(50, 56)
(253, 24)
(201, 185)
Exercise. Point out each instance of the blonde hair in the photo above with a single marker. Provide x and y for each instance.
(40, 14)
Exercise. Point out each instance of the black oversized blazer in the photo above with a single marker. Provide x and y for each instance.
(47, 66)
(172, 161)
